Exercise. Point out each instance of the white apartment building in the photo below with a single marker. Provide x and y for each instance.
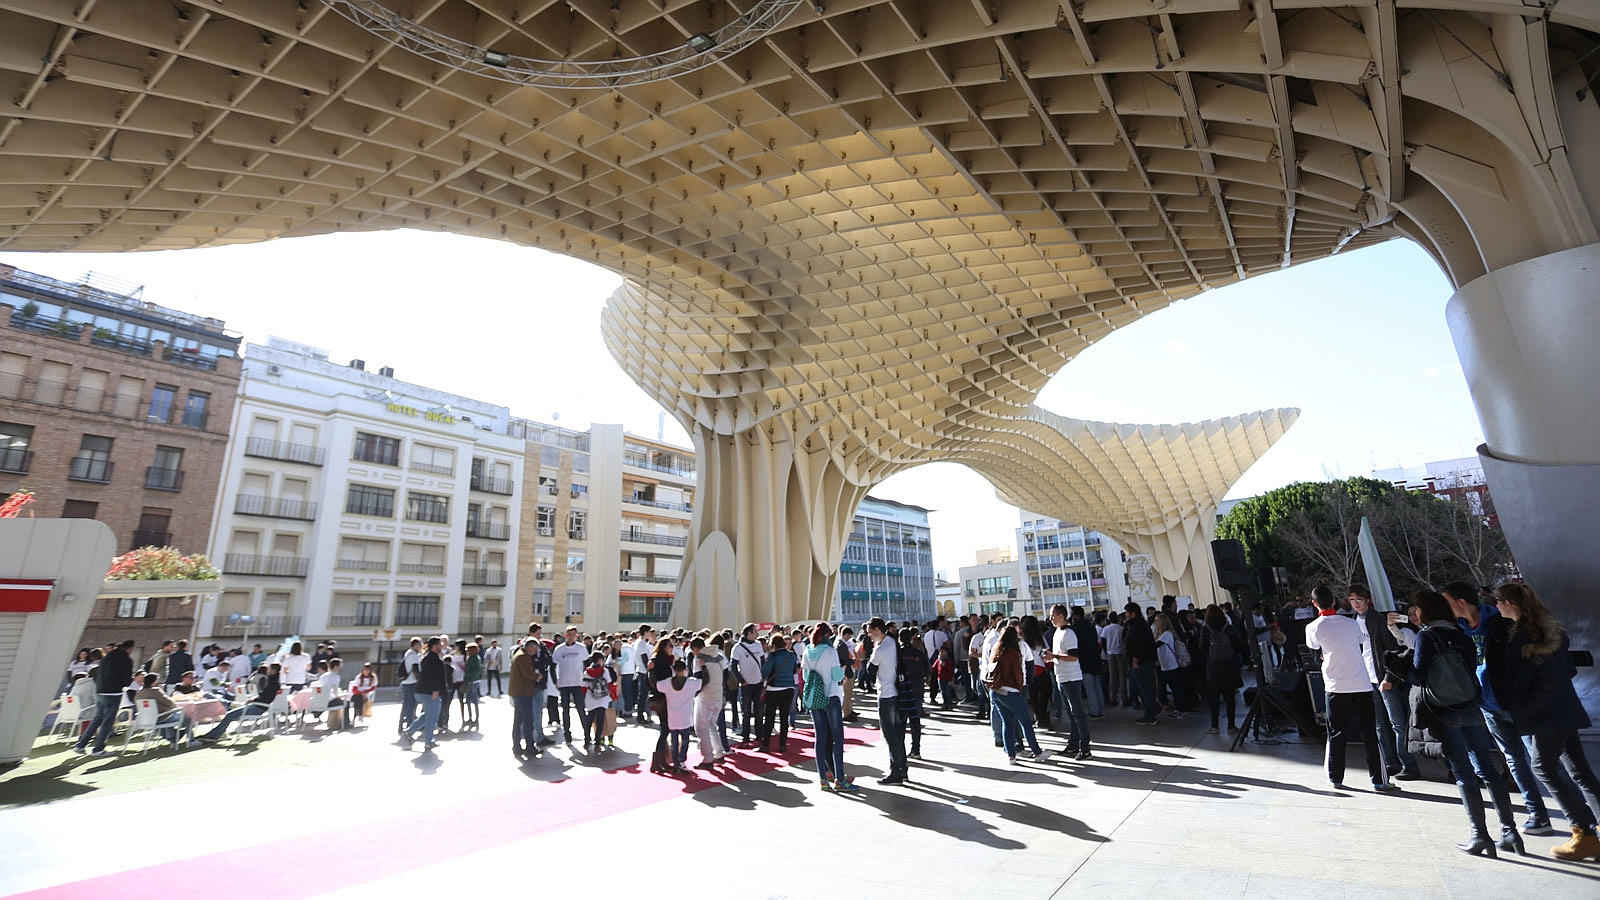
(605, 528)
(995, 583)
(1067, 563)
(887, 569)
(362, 508)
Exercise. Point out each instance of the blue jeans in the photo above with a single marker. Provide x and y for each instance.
(1016, 722)
(1504, 732)
(893, 725)
(100, 727)
(1077, 712)
(428, 719)
(1143, 678)
(679, 740)
(525, 730)
(1094, 696)
(173, 724)
(1058, 705)
(827, 726)
(630, 694)
(1566, 782)
(233, 715)
(408, 704)
(1470, 751)
(641, 693)
(1393, 723)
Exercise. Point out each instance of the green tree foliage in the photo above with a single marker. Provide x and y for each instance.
(1310, 529)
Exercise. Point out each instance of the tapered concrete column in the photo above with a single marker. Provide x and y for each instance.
(1529, 340)
(769, 529)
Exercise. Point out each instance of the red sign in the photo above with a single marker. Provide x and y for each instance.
(766, 626)
(25, 595)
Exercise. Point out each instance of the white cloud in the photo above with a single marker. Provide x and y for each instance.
(1176, 347)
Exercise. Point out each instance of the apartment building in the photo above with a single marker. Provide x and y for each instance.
(996, 583)
(1067, 563)
(362, 508)
(887, 568)
(117, 409)
(605, 530)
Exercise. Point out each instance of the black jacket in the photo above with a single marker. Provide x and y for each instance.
(1141, 641)
(1088, 647)
(433, 675)
(115, 672)
(1383, 640)
(1221, 669)
(1537, 691)
(178, 663)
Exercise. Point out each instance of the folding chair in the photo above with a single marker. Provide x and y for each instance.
(70, 716)
(146, 715)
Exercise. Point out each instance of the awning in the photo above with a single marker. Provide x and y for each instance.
(667, 592)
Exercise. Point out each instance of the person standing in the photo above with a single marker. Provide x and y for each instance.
(640, 650)
(1531, 669)
(178, 662)
(1349, 690)
(111, 677)
(912, 670)
(747, 659)
(1220, 662)
(657, 671)
(1066, 654)
(777, 672)
(1113, 638)
(1140, 643)
(433, 684)
(823, 685)
(1090, 663)
(1483, 625)
(885, 661)
(568, 659)
(410, 665)
(530, 669)
(1007, 686)
(709, 663)
(1392, 713)
(938, 635)
(157, 662)
(845, 649)
(296, 667)
(494, 660)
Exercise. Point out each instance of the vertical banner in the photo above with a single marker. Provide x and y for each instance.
(1377, 579)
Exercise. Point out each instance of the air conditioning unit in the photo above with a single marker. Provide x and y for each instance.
(274, 370)
(386, 371)
(627, 573)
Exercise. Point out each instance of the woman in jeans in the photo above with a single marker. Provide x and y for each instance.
(777, 673)
(1531, 673)
(660, 670)
(1041, 687)
(1465, 738)
(1006, 692)
(821, 663)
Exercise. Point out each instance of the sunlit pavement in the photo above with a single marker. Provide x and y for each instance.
(1163, 811)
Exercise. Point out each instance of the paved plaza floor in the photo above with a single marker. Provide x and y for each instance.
(1160, 812)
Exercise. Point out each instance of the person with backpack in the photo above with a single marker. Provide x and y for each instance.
(822, 697)
(748, 657)
(1532, 670)
(1349, 690)
(1220, 660)
(1442, 667)
(778, 669)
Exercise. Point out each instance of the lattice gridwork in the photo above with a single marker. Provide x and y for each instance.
(860, 243)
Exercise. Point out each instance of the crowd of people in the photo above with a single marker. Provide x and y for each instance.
(1474, 678)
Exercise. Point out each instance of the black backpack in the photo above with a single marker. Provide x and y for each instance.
(1448, 684)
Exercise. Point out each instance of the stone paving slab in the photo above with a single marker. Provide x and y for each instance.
(1160, 812)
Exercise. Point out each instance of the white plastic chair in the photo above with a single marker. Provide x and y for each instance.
(319, 702)
(145, 716)
(71, 715)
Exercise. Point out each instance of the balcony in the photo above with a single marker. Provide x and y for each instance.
(484, 625)
(647, 579)
(85, 468)
(484, 577)
(277, 566)
(492, 485)
(189, 357)
(194, 418)
(657, 504)
(652, 613)
(662, 540)
(415, 568)
(641, 462)
(431, 469)
(362, 565)
(103, 338)
(494, 531)
(161, 478)
(15, 460)
(274, 507)
(266, 448)
(355, 621)
(144, 537)
(263, 626)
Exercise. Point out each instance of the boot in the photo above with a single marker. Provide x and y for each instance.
(1478, 844)
(1511, 841)
(1584, 845)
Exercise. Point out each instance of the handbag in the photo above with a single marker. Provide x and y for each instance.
(657, 704)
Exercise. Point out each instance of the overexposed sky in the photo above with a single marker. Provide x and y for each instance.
(1358, 342)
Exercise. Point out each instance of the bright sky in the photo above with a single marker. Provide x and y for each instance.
(1358, 342)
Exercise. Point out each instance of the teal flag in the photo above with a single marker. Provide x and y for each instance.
(1377, 579)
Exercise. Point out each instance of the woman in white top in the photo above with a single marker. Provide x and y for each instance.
(296, 668)
(1167, 662)
(823, 676)
(361, 691)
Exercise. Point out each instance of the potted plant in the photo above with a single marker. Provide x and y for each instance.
(160, 572)
(30, 309)
(103, 334)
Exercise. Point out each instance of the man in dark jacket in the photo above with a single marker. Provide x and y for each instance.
(178, 662)
(111, 678)
(433, 684)
(530, 673)
(1141, 648)
(1090, 662)
(1394, 715)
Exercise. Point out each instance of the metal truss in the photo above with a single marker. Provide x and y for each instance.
(696, 53)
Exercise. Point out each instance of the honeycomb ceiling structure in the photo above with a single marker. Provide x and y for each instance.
(859, 240)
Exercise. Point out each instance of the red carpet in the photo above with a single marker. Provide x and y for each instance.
(319, 863)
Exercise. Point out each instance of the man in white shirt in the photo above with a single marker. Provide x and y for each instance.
(748, 656)
(569, 658)
(937, 637)
(991, 640)
(1114, 638)
(886, 658)
(329, 681)
(1349, 689)
(238, 666)
(494, 660)
(1069, 674)
(410, 664)
(641, 651)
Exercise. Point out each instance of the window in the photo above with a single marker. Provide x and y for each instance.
(362, 500)
(574, 603)
(362, 555)
(93, 462)
(412, 609)
(375, 448)
(154, 528)
(575, 564)
(427, 508)
(356, 610)
(580, 491)
(434, 460)
(546, 520)
(136, 608)
(161, 401)
(421, 559)
(542, 564)
(196, 409)
(79, 509)
(14, 443)
(167, 472)
(576, 527)
(541, 603)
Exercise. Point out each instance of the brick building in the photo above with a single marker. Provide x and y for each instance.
(115, 409)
